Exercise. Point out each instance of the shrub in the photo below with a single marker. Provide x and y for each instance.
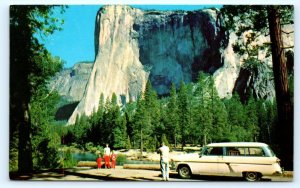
(121, 159)
(45, 155)
(99, 150)
(67, 160)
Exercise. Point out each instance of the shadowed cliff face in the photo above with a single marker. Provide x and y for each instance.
(175, 46)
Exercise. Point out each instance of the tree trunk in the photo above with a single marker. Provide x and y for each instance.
(20, 89)
(25, 150)
(284, 105)
(142, 146)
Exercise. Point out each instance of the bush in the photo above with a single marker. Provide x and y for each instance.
(45, 155)
(99, 150)
(67, 160)
(89, 146)
(121, 159)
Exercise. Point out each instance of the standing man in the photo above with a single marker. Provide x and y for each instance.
(164, 161)
(107, 156)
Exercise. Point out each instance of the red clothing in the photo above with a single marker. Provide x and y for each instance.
(113, 160)
(106, 161)
(99, 162)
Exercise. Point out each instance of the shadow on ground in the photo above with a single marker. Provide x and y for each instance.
(76, 175)
(60, 174)
(211, 178)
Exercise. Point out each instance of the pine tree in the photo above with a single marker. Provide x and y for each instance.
(128, 143)
(124, 136)
(152, 105)
(191, 124)
(116, 124)
(42, 111)
(267, 118)
(142, 125)
(203, 117)
(264, 135)
(108, 119)
(153, 117)
(129, 112)
(172, 118)
(80, 130)
(98, 124)
(236, 118)
(252, 119)
(219, 127)
(183, 113)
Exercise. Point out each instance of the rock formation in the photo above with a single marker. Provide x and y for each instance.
(133, 46)
(234, 76)
(71, 82)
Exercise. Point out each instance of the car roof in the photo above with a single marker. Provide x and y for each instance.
(233, 144)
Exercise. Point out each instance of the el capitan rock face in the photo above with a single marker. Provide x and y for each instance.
(133, 46)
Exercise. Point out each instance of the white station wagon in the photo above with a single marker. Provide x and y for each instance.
(250, 160)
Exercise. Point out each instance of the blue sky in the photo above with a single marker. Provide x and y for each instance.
(75, 42)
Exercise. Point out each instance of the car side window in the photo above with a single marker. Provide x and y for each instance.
(233, 151)
(214, 151)
(244, 151)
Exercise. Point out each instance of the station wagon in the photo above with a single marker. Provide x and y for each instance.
(250, 160)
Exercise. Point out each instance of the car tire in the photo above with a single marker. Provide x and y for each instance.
(252, 176)
(184, 172)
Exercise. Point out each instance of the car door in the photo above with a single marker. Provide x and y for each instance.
(208, 163)
(230, 161)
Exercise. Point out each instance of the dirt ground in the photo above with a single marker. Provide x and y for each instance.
(120, 174)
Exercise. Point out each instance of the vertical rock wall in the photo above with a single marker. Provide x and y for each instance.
(133, 46)
(117, 67)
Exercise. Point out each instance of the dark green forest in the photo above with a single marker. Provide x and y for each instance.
(191, 115)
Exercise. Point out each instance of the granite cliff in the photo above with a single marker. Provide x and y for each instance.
(133, 46)
(71, 82)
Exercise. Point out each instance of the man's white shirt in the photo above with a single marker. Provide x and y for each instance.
(164, 153)
(107, 151)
